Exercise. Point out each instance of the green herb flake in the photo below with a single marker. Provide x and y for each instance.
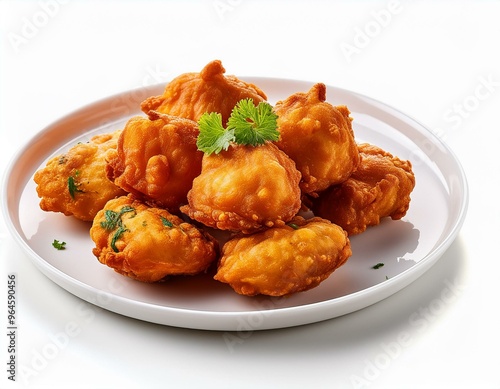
(113, 219)
(73, 187)
(118, 233)
(293, 225)
(166, 222)
(59, 245)
(378, 265)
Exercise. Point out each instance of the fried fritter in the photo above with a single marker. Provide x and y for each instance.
(318, 137)
(190, 95)
(147, 243)
(157, 159)
(380, 187)
(283, 260)
(245, 188)
(75, 183)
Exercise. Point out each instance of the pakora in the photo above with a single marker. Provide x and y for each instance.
(157, 159)
(147, 243)
(283, 260)
(75, 182)
(318, 137)
(190, 95)
(245, 188)
(380, 187)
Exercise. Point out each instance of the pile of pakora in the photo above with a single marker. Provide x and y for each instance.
(282, 210)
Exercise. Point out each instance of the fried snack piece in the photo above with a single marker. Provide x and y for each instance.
(149, 244)
(190, 95)
(157, 159)
(318, 137)
(245, 188)
(284, 260)
(75, 183)
(380, 187)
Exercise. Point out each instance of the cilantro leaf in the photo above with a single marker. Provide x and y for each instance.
(247, 125)
(118, 233)
(378, 265)
(253, 125)
(59, 245)
(113, 219)
(73, 187)
(166, 222)
(213, 137)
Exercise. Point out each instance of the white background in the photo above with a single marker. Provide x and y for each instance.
(428, 59)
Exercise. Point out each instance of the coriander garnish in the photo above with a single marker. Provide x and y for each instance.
(253, 125)
(248, 125)
(378, 265)
(213, 137)
(113, 220)
(166, 222)
(121, 229)
(59, 245)
(73, 185)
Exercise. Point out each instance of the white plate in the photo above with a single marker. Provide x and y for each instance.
(407, 247)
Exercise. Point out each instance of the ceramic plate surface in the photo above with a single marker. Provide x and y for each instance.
(406, 247)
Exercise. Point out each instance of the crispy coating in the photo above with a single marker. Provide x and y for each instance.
(283, 260)
(147, 243)
(190, 95)
(245, 188)
(157, 159)
(75, 183)
(318, 137)
(380, 187)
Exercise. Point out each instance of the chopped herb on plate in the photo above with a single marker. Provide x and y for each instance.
(59, 245)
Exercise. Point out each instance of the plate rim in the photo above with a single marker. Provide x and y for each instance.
(348, 303)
